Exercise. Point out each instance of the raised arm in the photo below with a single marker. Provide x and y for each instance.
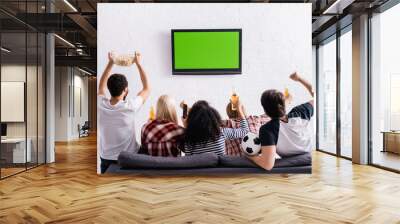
(144, 93)
(105, 76)
(266, 159)
(268, 135)
(233, 133)
(296, 77)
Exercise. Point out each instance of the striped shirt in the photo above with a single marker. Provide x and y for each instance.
(218, 146)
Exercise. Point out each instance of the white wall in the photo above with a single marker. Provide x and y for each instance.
(61, 104)
(79, 117)
(68, 81)
(276, 40)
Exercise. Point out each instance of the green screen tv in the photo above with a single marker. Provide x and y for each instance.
(206, 51)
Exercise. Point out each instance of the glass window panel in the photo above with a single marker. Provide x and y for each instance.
(22, 63)
(346, 94)
(385, 84)
(327, 97)
(14, 153)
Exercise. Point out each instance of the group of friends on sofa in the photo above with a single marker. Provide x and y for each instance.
(203, 130)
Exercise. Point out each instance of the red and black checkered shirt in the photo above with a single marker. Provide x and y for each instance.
(162, 138)
(233, 147)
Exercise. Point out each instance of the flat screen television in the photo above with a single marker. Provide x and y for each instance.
(206, 51)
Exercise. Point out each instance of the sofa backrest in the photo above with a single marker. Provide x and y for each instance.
(235, 161)
(131, 160)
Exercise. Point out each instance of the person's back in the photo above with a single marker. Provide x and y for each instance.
(291, 136)
(117, 114)
(204, 133)
(285, 134)
(216, 146)
(117, 126)
(163, 136)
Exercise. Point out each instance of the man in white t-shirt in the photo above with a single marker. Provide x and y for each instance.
(285, 134)
(117, 114)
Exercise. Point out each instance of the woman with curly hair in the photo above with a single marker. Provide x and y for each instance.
(204, 132)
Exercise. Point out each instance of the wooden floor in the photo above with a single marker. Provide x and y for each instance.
(5, 172)
(70, 191)
(387, 159)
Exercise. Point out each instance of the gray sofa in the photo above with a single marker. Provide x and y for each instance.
(204, 164)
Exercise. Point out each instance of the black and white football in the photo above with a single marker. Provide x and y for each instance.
(251, 144)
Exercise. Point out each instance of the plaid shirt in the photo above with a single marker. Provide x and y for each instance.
(233, 147)
(161, 138)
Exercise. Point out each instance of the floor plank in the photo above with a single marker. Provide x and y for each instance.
(70, 191)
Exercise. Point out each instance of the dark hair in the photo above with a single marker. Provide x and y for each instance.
(203, 123)
(273, 103)
(116, 84)
(232, 114)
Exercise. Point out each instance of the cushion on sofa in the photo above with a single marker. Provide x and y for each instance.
(132, 160)
(235, 161)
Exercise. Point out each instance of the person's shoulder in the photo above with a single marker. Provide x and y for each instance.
(167, 125)
(174, 126)
(149, 125)
(103, 101)
(270, 124)
(269, 133)
(135, 100)
(170, 129)
(102, 98)
(134, 103)
(271, 127)
(304, 111)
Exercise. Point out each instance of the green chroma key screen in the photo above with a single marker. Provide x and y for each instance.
(199, 51)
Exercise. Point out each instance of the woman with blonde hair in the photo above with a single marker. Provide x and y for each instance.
(163, 136)
(166, 109)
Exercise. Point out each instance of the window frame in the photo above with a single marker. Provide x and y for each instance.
(334, 37)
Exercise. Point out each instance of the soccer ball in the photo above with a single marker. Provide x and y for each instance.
(251, 144)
